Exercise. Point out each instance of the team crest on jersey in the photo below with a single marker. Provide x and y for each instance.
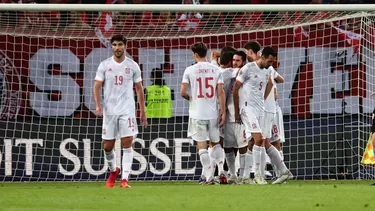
(10, 88)
(255, 76)
(254, 126)
(127, 70)
(110, 70)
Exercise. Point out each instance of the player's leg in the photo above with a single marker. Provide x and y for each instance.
(128, 129)
(109, 137)
(230, 142)
(198, 131)
(217, 150)
(277, 145)
(249, 160)
(373, 134)
(252, 126)
(202, 179)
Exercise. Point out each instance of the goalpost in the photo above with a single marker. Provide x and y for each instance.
(49, 55)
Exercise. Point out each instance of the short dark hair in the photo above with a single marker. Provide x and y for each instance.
(253, 45)
(269, 51)
(157, 75)
(241, 54)
(200, 49)
(228, 49)
(226, 58)
(119, 37)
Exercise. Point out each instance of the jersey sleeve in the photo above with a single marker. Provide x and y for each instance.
(220, 78)
(100, 73)
(185, 78)
(243, 75)
(137, 74)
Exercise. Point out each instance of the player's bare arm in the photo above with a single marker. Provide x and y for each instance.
(222, 98)
(97, 87)
(373, 94)
(268, 88)
(236, 102)
(141, 101)
(183, 91)
(279, 79)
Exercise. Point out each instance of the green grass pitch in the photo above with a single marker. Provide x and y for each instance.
(177, 196)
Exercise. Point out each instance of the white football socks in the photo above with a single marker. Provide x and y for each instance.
(242, 165)
(111, 160)
(231, 162)
(262, 161)
(249, 162)
(217, 155)
(206, 163)
(257, 159)
(127, 162)
(276, 160)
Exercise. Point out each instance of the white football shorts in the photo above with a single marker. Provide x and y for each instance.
(269, 120)
(234, 135)
(119, 126)
(278, 127)
(251, 121)
(204, 130)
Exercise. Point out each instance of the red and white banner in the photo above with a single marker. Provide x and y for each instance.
(49, 76)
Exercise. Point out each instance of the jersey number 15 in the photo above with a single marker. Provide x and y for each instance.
(205, 84)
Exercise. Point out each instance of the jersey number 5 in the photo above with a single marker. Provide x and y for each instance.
(207, 86)
(260, 85)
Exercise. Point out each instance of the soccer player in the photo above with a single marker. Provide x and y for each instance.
(270, 118)
(205, 82)
(278, 136)
(253, 85)
(239, 59)
(119, 73)
(253, 53)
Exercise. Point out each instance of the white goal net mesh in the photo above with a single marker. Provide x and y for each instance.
(48, 62)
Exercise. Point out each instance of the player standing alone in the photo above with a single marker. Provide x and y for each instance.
(206, 87)
(119, 73)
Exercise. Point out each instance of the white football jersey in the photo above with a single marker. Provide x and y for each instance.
(254, 82)
(229, 78)
(118, 79)
(270, 102)
(203, 78)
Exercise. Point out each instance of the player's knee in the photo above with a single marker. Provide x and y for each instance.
(108, 145)
(243, 150)
(228, 150)
(126, 142)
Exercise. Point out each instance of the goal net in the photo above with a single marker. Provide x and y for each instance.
(49, 55)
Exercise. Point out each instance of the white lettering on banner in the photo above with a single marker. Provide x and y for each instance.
(75, 163)
(291, 60)
(139, 157)
(70, 156)
(179, 154)
(87, 159)
(48, 69)
(7, 156)
(159, 155)
(29, 152)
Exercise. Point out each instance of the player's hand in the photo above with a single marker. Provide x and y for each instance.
(237, 117)
(99, 111)
(215, 55)
(373, 94)
(143, 119)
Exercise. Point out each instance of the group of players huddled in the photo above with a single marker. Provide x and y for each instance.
(232, 106)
